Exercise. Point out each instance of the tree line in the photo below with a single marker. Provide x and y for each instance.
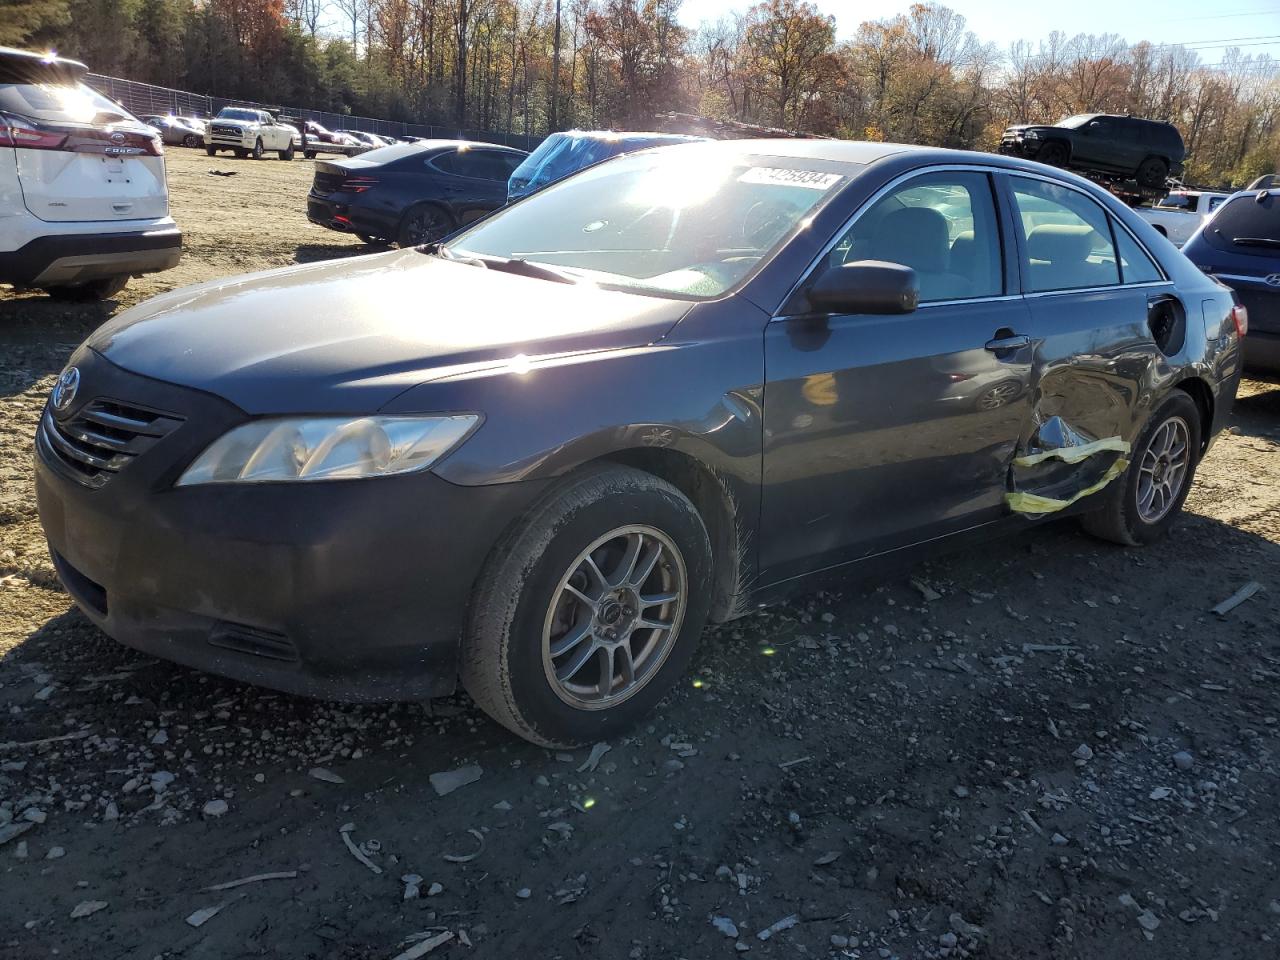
(532, 66)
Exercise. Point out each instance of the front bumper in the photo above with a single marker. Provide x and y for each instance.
(354, 590)
(1020, 148)
(71, 258)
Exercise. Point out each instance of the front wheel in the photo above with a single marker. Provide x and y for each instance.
(589, 611)
(1143, 503)
(257, 149)
(1153, 172)
(1053, 153)
(211, 151)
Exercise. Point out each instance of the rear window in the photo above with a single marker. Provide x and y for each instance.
(60, 103)
(1247, 224)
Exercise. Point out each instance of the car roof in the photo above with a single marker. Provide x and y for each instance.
(468, 144)
(21, 66)
(836, 151)
(625, 135)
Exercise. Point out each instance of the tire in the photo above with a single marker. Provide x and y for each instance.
(287, 154)
(1121, 518)
(424, 223)
(309, 154)
(103, 289)
(257, 149)
(998, 395)
(519, 608)
(191, 140)
(211, 151)
(1152, 172)
(367, 238)
(1054, 153)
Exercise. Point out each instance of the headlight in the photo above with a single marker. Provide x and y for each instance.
(327, 448)
(1032, 135)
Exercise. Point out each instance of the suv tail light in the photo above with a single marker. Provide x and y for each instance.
(1240, 317)
(15, 132)
(357, 184)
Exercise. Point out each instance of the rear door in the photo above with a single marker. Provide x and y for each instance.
(882, 431)
(80, 156)
(1095, 299)
(482, 180)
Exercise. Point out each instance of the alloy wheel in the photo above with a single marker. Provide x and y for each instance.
(425, 225)
(614, 617)
(1163, 470)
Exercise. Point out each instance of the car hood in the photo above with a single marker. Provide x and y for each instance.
(350, 335)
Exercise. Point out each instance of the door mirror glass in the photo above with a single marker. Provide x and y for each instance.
(865, 286)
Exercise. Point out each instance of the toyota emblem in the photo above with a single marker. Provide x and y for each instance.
(1273, 280)
(64, 391)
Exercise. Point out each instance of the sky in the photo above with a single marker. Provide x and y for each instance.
(1253, 25)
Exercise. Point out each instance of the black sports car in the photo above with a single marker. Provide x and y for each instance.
(411, 193)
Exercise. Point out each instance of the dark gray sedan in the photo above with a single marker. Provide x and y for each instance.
(540, 456)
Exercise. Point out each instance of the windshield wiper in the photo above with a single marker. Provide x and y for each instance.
(1255, 242)
(526, 268)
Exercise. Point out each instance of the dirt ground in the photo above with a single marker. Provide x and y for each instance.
(1064, 754)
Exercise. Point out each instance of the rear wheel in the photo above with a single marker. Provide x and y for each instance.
(425, 223)
(1053, 153)
(589, 611)
(287, 154)
(103, 289)
(1152, 172)
(257, 149)
(1143, 503)
(191, 140)
(309, 154)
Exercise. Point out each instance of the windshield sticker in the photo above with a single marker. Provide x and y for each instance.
(781, 177)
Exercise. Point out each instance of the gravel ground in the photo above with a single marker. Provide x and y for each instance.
(1046, 748)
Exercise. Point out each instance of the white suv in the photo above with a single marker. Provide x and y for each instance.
(83, 200)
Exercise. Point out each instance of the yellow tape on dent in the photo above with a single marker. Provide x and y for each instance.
(1034, 503)
(1074, 454)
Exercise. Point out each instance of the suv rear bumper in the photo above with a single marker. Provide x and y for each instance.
(68, 259)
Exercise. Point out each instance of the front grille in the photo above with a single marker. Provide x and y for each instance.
(224, 130)
(102, 438)
(253, 641)
(326, 183)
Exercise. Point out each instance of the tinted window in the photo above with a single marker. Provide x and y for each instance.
(1068, 240)
(1135, 265)
(1247, 223)
(74, 103)
(943, 226)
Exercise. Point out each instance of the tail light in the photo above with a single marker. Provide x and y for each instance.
(1240, 317)
(357, 184)
(22, 133)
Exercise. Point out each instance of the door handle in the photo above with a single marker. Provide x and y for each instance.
(1011, 341)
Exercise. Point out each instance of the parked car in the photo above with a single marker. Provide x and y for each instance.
(248, 133)
(561, 154)
(84, 203)
(1178, 215)
(411, 193)
(1240, 247)
(176, 131)
(541, 455)
(322, 140)
(1148, 151)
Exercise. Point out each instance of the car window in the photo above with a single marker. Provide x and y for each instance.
(1067, 239)
(488, 165)
(1135, 265)
(692, 226)
(943, 226)
(1215, 202)
(1102, 127)
(1247, 224)
(1176, 201)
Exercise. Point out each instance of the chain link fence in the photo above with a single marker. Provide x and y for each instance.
(147, 99)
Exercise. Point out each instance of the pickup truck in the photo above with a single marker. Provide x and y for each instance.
(1180, 214)
(248, 133)
(321, 140)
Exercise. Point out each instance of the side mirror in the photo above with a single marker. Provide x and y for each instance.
(866, 286)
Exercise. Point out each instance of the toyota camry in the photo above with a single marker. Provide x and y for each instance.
(539, 456)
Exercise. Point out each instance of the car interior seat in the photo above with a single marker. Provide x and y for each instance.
(1059, 255)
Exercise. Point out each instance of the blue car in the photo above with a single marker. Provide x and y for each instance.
(1240, 246)
(564, 153)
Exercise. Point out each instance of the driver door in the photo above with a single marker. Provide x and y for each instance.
(884, 431)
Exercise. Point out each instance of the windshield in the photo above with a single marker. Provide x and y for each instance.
(687, 223)
(60, 102)
(233, 114)
(1248, 223)
(1079, 120)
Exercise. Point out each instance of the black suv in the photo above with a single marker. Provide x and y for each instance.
(1147, 151)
